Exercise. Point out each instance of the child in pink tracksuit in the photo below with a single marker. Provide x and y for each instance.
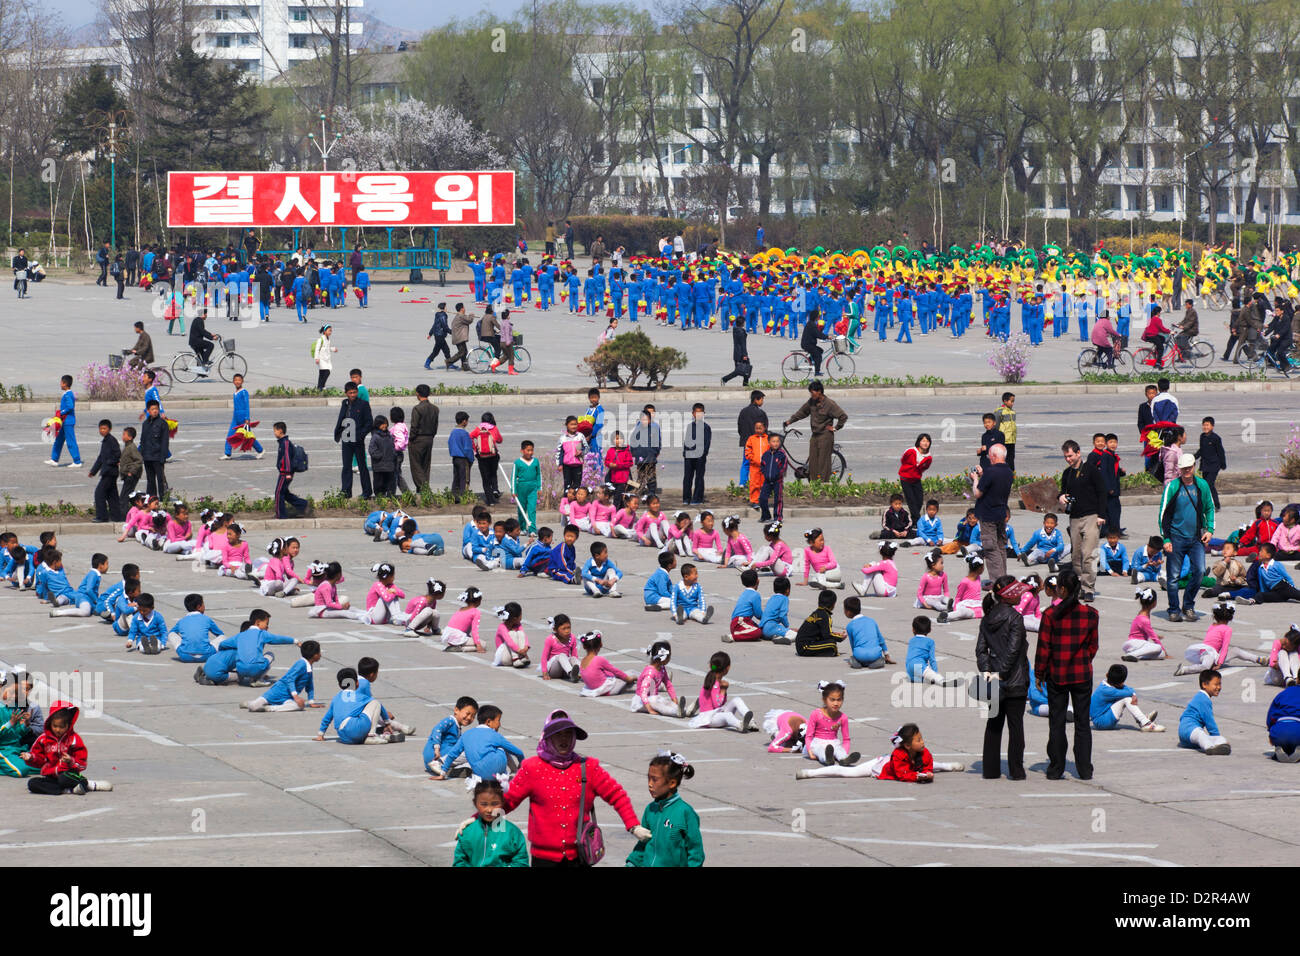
(328, 604)
(580, 510)
(654, 687)
(705, 540)
(969, 602)
(625, 519)
(560, 651)
(716, 708)
(738, 552)
(602, 512)
(383, 600)
(1217, 646)
(678, 538)
(422, 610)
(600, 678)
(653, 527)
(880, 579)
(932, 592)
(462, 630)
(1143, 642)
(1028, 608)
(786, 730)
(511, 642)
(826, 735)
(234, 554)
(819, 562)
(179, 532)
(774, 556)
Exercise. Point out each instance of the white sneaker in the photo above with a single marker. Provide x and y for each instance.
(1151, 727)
(1180, 670)
(52, 462)
(483, 563)
(223, 458)
(102, 785)
(860, 587)
(74, 464)
(259, 455)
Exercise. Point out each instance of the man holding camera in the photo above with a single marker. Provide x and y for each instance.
(1083, 498)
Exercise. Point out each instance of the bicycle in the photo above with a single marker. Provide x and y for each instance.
(797, 367)
(838, 465)
(186, 366)
(162, 378)
(480, 360)
(1257, 359)
(1091, 361)
(1198, 355)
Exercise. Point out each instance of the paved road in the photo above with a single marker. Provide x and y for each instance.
(1253, 426)
(199, 780)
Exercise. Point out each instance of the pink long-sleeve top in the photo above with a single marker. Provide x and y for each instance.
(821, 727)
(646, 520)
(1028, 606)
(1272, 655)
(677, 533)
(738, 545)
(466, 620)
(781, 742)
(379, 591)
(1284, 538)
(886, 569)
(564, 506)
(131, 514)
(1219, 636)
(273, 570)
(932, 584)
(652, 680)
(623, 518)
(507, 637)
(819, 561)
(327, 596)
(419, 603)
(287, 572)
(706, 539)
(711, 698)
(602, 512)
(579, 509)
(143, 520)
(554, 647)
(1142, 630)
(968, 589)
(599, 671)
(201, 537)
(780, 552)
(177, 531)
(234, 555)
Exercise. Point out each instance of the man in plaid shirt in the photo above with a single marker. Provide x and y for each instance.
(1067, 643)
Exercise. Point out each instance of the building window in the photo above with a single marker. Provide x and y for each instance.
(298, 41)
(247, 39)
(1164, 201)
(298, 15)
(598, 88)
(220, 13)
(222, 41)
(697, 84)
(1136, 157)
(697, 153)
(695, 118)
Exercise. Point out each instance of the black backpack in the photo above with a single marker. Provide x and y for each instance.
(297, 458)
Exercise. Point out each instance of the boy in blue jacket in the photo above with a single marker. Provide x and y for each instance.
(191, 641)
(1114, 556)
(362, 284)
(563, 566)
(253, 660)
(1112, 699)
(295, 690)
(600, 575)
(445, 734)
(747, 613)
(688, 598)
(538, 555)
(124, 608)
(658, 590)
(865, 640)
(486, 750)
(68, 431)
(776, 614)
(1196, 727)
(1046, 545)
(507, 551)
(148, 632)
(476, 537)
(356, 715)
(461, 450)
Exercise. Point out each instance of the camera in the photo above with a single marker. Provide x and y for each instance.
(1069, 504)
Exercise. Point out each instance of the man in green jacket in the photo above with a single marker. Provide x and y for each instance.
(1186, 523)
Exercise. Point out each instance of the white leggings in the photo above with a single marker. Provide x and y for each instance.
(83, 609)
(1039, 556)
(818, 749)
(654, 536)
(1121, 706)
(778, 567)
(582, 524)
(260, 704)
(731, 714)
(611, 686)
(1204, 740)
(711, 555)
(236, 572)
(965, 610)
(274, 586)
(348, 614)
(178, 547)
(1288, 666)
(737, 561)
(506, 656)
(871, 768)
(1143, 650)
(696, 615)
(603, 528)
(595, 589)
(622, 531)
(930, 676)
(387, 612)
(1032, 621)
(1201, 657)
(681, 547)
(935, 602)
(663, 604)
(425, 617)
(664, 705)
(874, 584)
(561, 665)
(303, 600)
(455, 637)
(830, 578)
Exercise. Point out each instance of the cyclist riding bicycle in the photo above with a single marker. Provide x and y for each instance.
(1280, 333)
(1188, 329)
(1103, 334)
(202, 342)
(1157, 335)
(142, 352)
(809, 338)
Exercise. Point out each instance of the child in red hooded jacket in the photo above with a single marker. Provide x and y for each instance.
(60, 756)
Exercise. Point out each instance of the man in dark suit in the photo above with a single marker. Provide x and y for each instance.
(350, 431)
(108, 507)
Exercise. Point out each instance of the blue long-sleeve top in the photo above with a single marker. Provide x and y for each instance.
(459, 444)
(563, 558)
(1199, 713)
(88, 589)
(920, 655)
(1050, 543)
(508, 546)
(194, 629)
(220, 664)
(478, 743)
(442, 738)
(688, 599)
(658, 585)
(68, 407)
(537, 554)
(1273, 574)
(930, 530)
(776, 611)
(865, 638)
(241, 412)
(155, 627)
(58, 585)
(296, 679)
(1118, 553)
(1103, 698)
(749, 604)
(481, 544)
(593, 571)
(251, 645)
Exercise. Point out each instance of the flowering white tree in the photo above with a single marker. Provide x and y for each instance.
(413, 135)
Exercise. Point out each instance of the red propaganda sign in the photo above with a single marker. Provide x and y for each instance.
(344, 198)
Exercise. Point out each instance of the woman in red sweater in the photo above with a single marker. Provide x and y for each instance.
(914, 464)
(551, 783)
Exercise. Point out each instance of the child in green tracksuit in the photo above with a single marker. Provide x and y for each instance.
(673, 824)
(490, 839)
(528, 482)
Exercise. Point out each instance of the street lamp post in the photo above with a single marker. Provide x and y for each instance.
(116, 127)
(324, 146)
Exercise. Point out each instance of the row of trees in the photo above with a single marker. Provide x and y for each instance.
(935, 106)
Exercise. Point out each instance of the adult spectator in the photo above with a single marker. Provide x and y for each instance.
(825, 418)
(808, 340)
(1164, 407)
(1002, 653)
(1280, 332)
(202, 342)
(550, 237)
(356, 262)
(132, 261)
(1186, 519)
(1067, 643)
(142, 351)
(758, 238)
(19, 264)
(153, 449)
(424, 429)
(1234, 328)
(354, 424)
(751, 413)
(102, 258)
(1083, 497)
(568, 238)
(107, 505)
(992, 491)
(646, 443)
(250, 246)
(1189, 328)
(553, 784)
(460, 324)
(598, 252)
(1252, 324)
(1151, 459)
(697, 438)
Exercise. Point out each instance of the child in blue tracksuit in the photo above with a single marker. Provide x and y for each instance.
(574, 284)
(1147, 564)
(295, 690)
(600, 575)
(1196, 727)
(301, 296)
(775, 624)
(506, 551)
(921, 665)
(1114, 556)
(216, 670)
(348, 712)
(194, 645)
(54, 585)
(486, 750)
(929, 527)
(1038, 697)
(867, 643)
(538, 556)
(1046, 545)
(688, 598)
(1283, 723)
(446, 733)
(86, 601)
(563, 565)
(123, 608)
(68, 431)
(476, 540)
(253, 660)
(240, 414)
(148, 631)
(747, 613)
(658, 590)
(363, 286)
(904, 305)
(1113, 698)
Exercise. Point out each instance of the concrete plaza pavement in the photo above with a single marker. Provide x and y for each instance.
(200, 781)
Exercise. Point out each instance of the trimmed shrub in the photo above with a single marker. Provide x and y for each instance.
(629, 356)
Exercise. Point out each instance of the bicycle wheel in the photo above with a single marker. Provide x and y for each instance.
(231, 364)
(1184, 362)
(796, 367)
(523, 361)
(1216, 299)
(838, 466)
(839, 366)
(1123, 362)
(1252, 361)
(1088, 363)
(1202, 353)
(162, 379)
(1144, 360)
(185, 368)
(479, 360)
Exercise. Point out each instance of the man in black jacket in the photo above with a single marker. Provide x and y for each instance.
(808, 340)
(108, 507)
(696, 438)
(201, 341)
(751, 413)
(1083, 497)
(423, 430)
(154, 438)
(284, 498)
(439, 332)
(350, 431)
(739, 352)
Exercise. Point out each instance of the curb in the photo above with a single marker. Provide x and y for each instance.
(551, 396)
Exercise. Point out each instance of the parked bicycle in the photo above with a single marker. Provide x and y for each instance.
(1092, 361)
(800, 466)
(1199, 354)
(187, 369)
(798, 367)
